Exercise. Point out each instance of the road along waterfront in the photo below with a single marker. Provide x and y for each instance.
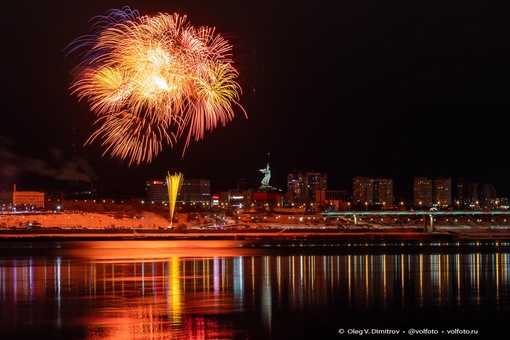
(369, 226)
(254, 234)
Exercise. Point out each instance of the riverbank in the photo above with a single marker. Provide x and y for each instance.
(275, 233)
(150, 226)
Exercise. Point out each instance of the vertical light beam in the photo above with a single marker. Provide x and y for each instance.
(174, 183)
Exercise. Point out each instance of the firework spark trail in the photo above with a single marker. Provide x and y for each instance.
(152, 80)
(174, 184)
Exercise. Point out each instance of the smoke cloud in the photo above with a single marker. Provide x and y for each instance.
(14, 166)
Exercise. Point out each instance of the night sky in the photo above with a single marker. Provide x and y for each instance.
(392, 89)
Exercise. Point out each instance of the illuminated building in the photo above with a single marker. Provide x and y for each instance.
(383, 192)
(196, 191)
(422, 188)
(296, 187)
(22, 199)
(235, 199)
(303, 185)
(432, 192)
(193, 191)
(442, 190)
(157, 191)
(265, 200)
(372, 191)
(362, 190)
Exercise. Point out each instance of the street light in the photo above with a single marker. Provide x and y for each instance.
(366, 206)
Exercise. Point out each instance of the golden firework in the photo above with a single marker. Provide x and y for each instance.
(152, 80)
(174, 184)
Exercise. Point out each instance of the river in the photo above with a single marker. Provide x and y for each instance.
(253, 289)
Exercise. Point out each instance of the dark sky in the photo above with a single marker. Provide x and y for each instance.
(393, 89)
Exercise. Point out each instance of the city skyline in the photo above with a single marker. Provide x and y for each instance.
(409, 196)
(354, 89)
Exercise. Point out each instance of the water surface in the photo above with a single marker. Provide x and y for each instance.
(136, 289)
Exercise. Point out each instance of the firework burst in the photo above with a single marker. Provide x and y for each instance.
(152, 80)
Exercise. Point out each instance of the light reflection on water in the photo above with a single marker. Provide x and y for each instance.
(239, 290)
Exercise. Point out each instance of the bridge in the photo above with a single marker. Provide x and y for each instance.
(503, 216)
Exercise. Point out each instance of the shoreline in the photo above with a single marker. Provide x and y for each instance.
(150, 226)
(389, 234)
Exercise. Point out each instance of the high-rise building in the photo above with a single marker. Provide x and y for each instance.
(303, 185)
(422, 189)
(362, 191)
(367, 191)
(383, 192)
(296, 187)
(432, 192)
(315, 181)
(442, 191)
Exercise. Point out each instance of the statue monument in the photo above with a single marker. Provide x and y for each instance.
(267, 176)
